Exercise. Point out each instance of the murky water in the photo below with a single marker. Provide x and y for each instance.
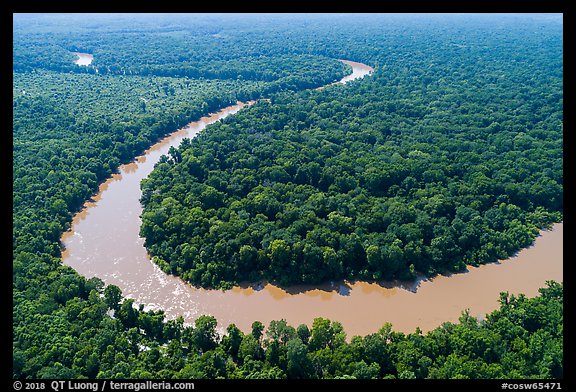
(359, 70)
(104, 241)
(83, 58)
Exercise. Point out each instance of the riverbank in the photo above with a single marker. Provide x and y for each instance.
(104, 241)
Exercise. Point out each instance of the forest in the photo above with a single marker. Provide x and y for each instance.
(522, 339)
(402, 174)
(450, 154)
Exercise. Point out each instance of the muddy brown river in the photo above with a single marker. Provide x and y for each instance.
(83, 58)
(104, 241)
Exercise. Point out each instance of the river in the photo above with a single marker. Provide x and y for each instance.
(104, 241)
(359, 70)
(83, 58)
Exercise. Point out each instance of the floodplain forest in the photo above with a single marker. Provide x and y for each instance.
(450, 154)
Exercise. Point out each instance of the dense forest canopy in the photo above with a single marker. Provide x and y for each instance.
(73, 127)
(451, 153)
(176, 46)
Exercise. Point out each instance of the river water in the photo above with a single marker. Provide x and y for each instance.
(104, 242)
(359, 70)
(83, 58)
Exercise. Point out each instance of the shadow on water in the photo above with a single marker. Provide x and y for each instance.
(345, 287)
(340, 287)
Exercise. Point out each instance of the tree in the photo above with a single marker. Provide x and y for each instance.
(127, 314)
(250, 347)
(280, 331)
(175, 356)
(204, 335)
(113, 295)
(279, 253)
(299, 365)
(232, 341)
(257, 328)
(364, 371)
(303, 333)
(173, 328)
(326, 333)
